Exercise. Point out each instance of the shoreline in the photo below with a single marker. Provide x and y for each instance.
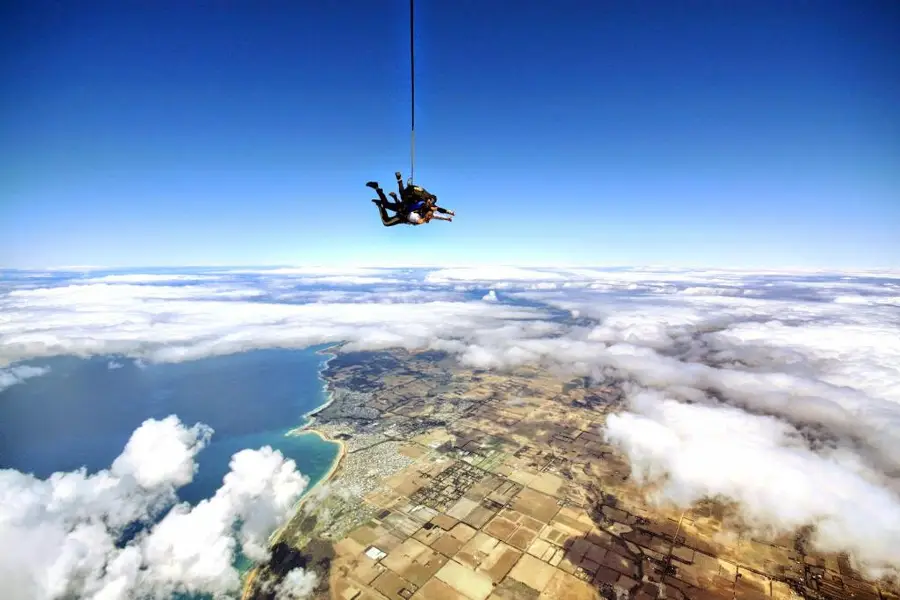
(309, 416)
(307, 427)
(329, 397)
(250, 575)
(335, 464)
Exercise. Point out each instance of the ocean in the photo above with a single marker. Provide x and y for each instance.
(83, 411)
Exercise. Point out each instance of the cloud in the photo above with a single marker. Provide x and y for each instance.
(491, 274)
(805, 383)
(693, 452)
(713, 291)
(15, 375)
(296, 584)
(123, 293)
(309, 271)
(188, 322)
(887, 300)
(60, 537)
(148, 278)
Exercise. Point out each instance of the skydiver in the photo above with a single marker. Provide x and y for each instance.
(411, 195)
(410, 218)
(432, 206)
(424, 208)
(403, 213)
(417, 208)
(413, 200)
(417, 197)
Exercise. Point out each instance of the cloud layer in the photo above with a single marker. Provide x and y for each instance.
(63, 536)
(778, 390)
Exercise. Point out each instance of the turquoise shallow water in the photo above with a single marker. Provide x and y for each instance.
(82, 412)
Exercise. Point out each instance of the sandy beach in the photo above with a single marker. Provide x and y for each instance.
(307, 428)
(335, 464)
(310, 417)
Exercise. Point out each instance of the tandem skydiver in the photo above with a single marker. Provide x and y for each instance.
(416, 206)
(416, 196)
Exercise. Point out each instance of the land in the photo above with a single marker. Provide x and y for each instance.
(463, 484)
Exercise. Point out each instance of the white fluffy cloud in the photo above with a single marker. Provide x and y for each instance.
(693, 452)
(802, 370)
(296, 584)
(14, 375)
(59, 537)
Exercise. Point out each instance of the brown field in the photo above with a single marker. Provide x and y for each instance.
(512, 493)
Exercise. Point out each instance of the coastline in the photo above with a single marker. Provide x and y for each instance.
(329, 397)
(335, 464)
(309, 416)
(250, 575)
(307, 427)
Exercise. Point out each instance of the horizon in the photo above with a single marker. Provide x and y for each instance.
(300, 268)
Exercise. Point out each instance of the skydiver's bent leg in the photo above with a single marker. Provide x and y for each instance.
(385, 219)
(374, 185)
(394, 206)
(397, 204)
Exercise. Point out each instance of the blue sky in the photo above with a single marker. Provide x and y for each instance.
(707, 133)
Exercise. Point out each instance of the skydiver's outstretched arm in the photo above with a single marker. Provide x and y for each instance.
(428, 215)
(433, 207)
